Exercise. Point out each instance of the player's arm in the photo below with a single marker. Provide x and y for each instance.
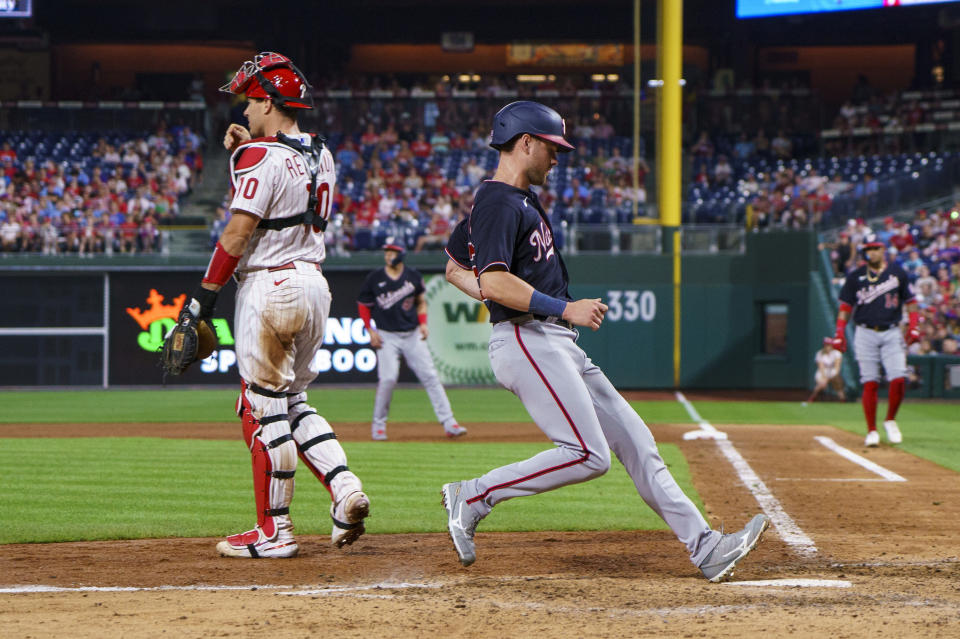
(236, 235)
(913, 324)
(509, 290)
(840, 335)
(422, 315)
(910, 305)
(847, 295)
(365, 302)
(227, 253)
(463, 279)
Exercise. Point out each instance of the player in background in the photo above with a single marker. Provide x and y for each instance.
(874, 295)
(393, 297)
(273, 246)
(829, 361)
(504, 255)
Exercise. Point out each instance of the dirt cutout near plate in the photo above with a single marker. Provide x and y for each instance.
(894, 543)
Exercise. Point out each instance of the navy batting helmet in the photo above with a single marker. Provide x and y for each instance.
(534, 118)
(870, 241)
(393, 244)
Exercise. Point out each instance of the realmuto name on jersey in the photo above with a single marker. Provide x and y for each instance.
(296, 167)
(872, 292)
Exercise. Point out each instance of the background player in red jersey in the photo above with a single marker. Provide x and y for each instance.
(874, 295)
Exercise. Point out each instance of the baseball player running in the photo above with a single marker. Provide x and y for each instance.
(875, 295)
(273, 246)
(828, 360)
(505, 255)
(393, 297)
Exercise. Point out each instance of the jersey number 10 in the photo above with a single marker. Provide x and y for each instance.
(248, 189)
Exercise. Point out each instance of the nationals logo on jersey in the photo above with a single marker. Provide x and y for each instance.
(386, 300)
(873, 291)
(542, 240)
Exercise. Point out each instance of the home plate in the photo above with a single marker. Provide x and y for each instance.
(704, 434)
(795, 583)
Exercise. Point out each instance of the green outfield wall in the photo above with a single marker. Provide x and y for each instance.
(750, 319)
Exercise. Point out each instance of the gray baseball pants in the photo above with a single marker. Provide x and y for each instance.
(873, 348)
(577, 407)
(412, 348)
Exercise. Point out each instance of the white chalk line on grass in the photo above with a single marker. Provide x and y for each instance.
(294, 590)
(875, 468)
(707, 430)
(788, 529)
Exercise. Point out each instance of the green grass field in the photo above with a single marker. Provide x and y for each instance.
(119, 488)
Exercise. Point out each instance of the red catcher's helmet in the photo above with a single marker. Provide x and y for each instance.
(274, 77)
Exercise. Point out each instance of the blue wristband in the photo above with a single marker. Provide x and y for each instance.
(545, 305)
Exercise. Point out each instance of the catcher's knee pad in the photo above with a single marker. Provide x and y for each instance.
(274, 456)
(318, 446)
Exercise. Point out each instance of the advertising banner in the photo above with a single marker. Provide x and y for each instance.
(145, 305)
(459, 331)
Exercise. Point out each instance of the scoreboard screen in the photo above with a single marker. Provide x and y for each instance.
(766, 8)
(16, 8)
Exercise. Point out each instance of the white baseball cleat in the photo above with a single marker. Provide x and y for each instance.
(454, 431)
(873, 439)
(893, 432)
(378, 434)
(348, 516)
(253, 544)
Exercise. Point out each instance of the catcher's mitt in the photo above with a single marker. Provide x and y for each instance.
(190, 340)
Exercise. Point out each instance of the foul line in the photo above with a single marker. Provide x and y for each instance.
(707, 431)
(788, 530)
(795, 583)
(877, 469)
(293, 590)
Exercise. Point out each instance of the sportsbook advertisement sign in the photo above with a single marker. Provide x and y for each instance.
(145, 305)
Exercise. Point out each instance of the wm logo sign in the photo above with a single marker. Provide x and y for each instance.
(456, 312)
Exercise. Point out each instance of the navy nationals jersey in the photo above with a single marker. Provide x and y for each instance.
(877, 299)
(392, 302)
(457, 244)
(508, 229)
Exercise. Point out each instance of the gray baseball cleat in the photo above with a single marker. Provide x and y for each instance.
(718, 566)
(461, 521)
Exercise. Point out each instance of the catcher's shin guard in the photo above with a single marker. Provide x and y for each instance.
(274, 458)
(319, 448)
(323, 455)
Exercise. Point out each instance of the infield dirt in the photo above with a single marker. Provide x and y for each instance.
(894, 543)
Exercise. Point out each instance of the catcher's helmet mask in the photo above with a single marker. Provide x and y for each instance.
(525, 116)
(277, 78)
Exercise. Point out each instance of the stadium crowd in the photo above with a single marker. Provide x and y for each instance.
(94, 194)
(928, 248)
(411, 153)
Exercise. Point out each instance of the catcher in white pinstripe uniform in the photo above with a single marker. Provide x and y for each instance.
(273, 245)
